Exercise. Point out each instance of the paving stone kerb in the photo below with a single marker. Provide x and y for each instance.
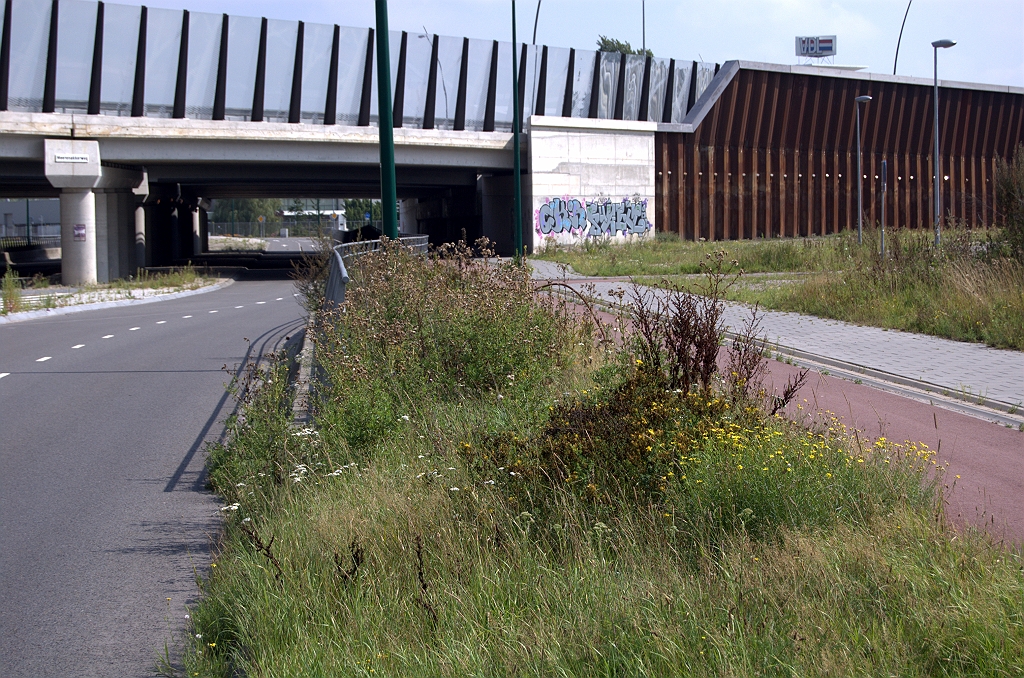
(958, 367)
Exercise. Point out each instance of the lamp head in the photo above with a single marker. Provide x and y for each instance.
(863, 99)
(943, 43)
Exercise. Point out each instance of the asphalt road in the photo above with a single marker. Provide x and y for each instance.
(291, 245)
(104, 521)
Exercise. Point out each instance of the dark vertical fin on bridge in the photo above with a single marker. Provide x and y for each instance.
(181, 87)
(331, 105)
(220, 93)
(5, 55)
(569, 75)
(139, 91)
(670, 84)
(50, 84)
(295, 106)
(492, 90)
(399, 108)
(460, 98)
(522, 85)
(645, 92)
(431, 103)
(364, 101)
(261, 75)
(691, 99)
(595, 86)
(620, 87)
(542, 83)
(96, 80)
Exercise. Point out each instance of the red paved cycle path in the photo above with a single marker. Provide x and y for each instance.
(989, 458)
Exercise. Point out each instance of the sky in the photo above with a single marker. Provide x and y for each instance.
(989, 33)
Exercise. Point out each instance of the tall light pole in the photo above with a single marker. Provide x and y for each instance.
(385, 125)
(860, 175)
(517, 180)
(935, 98)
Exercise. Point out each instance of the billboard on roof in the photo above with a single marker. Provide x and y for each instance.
(816, 46)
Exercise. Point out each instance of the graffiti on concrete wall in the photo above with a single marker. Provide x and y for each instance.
(597, 218)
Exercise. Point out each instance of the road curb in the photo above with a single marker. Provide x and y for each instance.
(95, 306)
(303, 381)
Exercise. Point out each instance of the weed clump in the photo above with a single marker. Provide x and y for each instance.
(448, 328)
(10, 285)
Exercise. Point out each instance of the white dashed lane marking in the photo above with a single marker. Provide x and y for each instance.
(134, 329)
(3, 374)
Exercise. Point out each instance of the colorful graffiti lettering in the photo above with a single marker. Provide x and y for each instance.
(561, 216)
(597, 218)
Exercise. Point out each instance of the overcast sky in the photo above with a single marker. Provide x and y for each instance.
(990, 33)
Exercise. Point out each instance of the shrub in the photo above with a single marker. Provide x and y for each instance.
(449, 328)
(1010, 199)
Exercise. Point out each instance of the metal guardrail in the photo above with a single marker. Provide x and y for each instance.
(11, 242)
(337, 276)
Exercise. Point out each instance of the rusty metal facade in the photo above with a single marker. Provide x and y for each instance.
(776, 156)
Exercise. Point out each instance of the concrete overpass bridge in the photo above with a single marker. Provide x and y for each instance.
(136, 117)
(153, 112)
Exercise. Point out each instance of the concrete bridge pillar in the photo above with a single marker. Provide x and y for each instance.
(141, 250)
(197, 231)
(95, 210)
(115, 233)
(78, 236)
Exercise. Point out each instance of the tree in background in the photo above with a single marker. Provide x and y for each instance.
(606, 44)
(356, 209)
(246, 210)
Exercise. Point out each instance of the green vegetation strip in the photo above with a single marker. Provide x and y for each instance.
(489, 490)
(971, 289)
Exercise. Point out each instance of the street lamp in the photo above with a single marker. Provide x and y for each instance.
(935, 97)
(860, 175)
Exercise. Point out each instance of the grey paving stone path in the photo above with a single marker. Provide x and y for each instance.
(958, 367)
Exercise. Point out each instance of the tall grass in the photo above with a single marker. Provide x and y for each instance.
(969, 290)
(666, 255)
(10, 286)
(959, 292)
(487, 492)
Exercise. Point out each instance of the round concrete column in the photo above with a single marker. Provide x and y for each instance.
(77, 236)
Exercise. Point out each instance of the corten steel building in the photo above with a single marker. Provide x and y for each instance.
(771, 151)
(136, 118)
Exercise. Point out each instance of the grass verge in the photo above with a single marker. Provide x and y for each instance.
(488, 491)
(969, 290)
